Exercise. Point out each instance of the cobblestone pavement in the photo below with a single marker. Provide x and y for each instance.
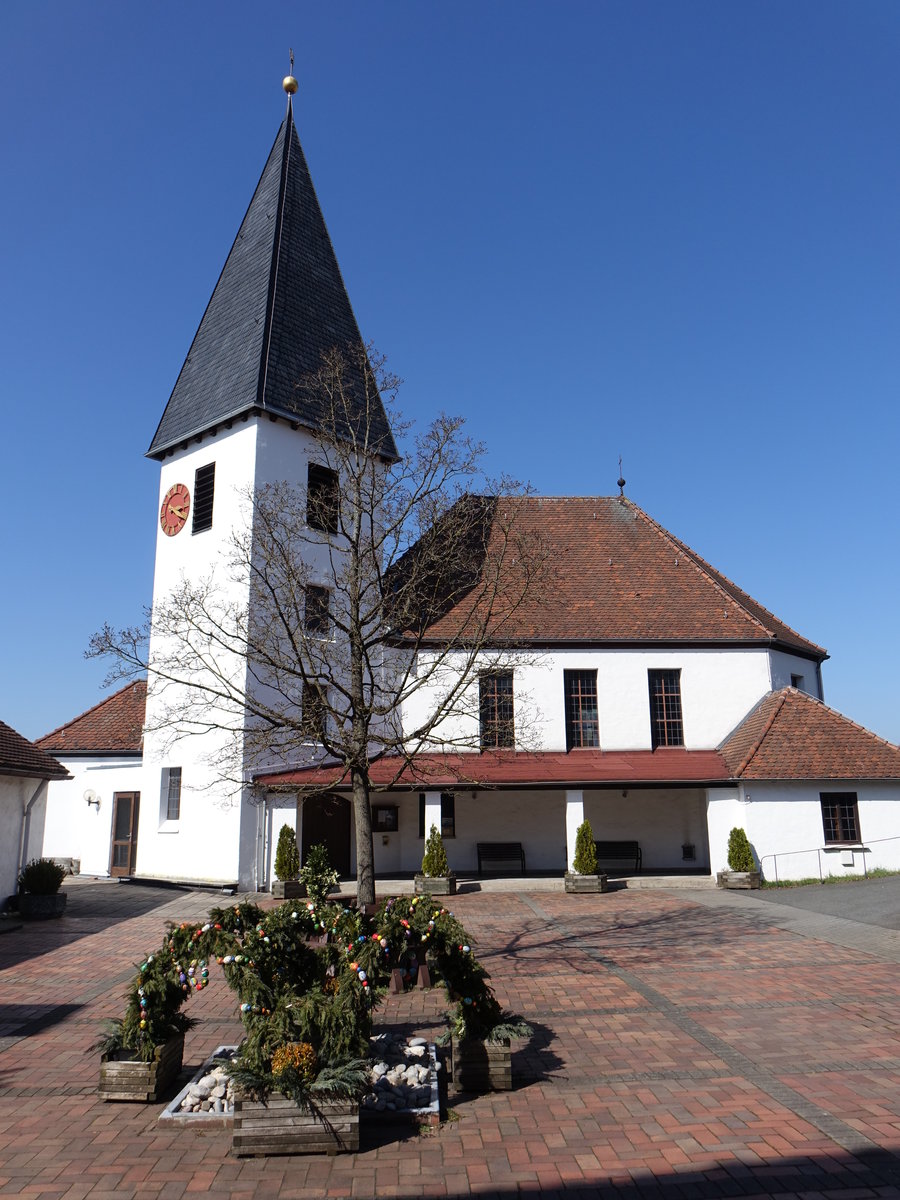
(687, 1043)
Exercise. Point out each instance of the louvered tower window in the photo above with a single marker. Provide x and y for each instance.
(204, 489)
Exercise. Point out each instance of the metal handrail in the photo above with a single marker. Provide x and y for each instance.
(819, 850)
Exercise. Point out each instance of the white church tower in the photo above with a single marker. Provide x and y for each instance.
(236, 421)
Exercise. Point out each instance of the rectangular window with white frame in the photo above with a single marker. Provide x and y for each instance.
(170, 796)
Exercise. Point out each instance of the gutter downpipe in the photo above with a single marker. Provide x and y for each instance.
(26, 822)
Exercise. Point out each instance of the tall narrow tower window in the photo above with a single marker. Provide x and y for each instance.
(322, 499)
(204, 489)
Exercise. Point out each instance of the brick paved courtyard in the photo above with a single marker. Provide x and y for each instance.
(688, 1043)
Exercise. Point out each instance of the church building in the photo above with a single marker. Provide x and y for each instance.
(663, 703)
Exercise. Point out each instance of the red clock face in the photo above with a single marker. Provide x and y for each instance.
(175, 509)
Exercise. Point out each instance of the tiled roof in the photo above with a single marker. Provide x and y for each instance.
(790, 735)
(111, 727)
(550, 769)
(18, 756)
(280, 302)
(619, 577)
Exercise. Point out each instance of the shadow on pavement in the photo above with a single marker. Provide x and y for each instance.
(91, 907)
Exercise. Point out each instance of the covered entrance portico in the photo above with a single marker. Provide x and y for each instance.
(538, 800)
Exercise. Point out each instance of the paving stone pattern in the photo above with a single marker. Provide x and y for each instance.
(686, 1044)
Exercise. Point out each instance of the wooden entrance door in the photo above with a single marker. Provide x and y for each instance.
(326, 819)
(123, 851)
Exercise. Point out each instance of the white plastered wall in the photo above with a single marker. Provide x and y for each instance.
(15, 795)
(718, 688)
(78, 831)
(786, 819)
(205, 843)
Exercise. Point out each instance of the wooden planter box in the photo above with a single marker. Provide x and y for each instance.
(482, 1066)
(738, 879)
(586, 883)
(288, 889)
(130, 1079)
(40, 907)
(281, 1127)
(435, 885)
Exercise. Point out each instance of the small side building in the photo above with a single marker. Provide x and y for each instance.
(26, 771)
(92, 819)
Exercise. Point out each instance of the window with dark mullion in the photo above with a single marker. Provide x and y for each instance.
(840, 817)
(495, 702)
(582, 717)
(322, 498)
(204, 490)
(666, 726)
(314, 712)
(317, 611)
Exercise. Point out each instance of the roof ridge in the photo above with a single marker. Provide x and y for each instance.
(805, 696)
(764, 733)
(737, 587)
(275, 262)
(699, 564)
(87, 712)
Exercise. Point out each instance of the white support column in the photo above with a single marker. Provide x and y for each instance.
(432, 812)
(574, 817)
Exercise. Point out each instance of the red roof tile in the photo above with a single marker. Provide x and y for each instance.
(18, 756)
(111, 727)
(552, 769)
(618, 576)
(790, 735)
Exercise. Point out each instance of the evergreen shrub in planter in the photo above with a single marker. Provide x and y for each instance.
(583, 877)
(435, 878)
(742, 871)
(287, 867)
(39, 894)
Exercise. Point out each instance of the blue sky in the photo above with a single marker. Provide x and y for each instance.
(666, 231)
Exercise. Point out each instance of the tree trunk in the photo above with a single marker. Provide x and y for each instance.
(365, 853)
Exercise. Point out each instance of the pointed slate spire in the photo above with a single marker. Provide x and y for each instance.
(279, 304)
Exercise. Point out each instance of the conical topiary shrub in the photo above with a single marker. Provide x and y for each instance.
(585, 861)
(434, 860)
(435, 878)
(287, 860)
(740, 856)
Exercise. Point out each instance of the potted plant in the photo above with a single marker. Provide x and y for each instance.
(317, 875)
(436, 878)
(286, 885)
(39, 884)
(583, 877)
(742, 871)
(307, 1017)
(141, 1053)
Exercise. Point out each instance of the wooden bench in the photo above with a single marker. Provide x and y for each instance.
(619, 852)
(500, 856)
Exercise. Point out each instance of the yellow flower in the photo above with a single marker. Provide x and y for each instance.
(297, 1055)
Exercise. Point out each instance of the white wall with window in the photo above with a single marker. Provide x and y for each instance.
(717, 690)
(82, 831)
(787, 819)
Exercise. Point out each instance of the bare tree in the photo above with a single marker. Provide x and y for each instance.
(378, 592)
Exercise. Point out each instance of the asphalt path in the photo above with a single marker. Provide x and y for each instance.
(869, 901)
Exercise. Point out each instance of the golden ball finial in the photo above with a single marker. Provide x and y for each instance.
(290, 85)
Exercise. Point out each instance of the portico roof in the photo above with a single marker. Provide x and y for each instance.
(670, 767)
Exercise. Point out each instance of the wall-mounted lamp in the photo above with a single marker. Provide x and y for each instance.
(91, 797)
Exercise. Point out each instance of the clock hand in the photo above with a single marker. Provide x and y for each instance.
(179, 512)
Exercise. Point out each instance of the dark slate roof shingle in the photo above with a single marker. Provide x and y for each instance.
(114, 726)
(18, 756)
(279, 304)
